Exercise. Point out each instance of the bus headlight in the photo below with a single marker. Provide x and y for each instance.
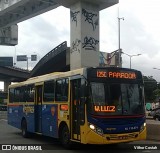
(96, 129)
(92, 126)
(143, 127)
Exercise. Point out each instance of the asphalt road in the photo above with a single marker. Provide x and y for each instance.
(12, 136)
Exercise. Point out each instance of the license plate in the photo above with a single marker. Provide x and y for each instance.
(123, 137)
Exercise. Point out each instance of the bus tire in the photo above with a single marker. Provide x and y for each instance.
(25, 133)
(65, 137)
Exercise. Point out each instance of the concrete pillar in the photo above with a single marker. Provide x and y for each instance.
(84, 52)
(6, 84)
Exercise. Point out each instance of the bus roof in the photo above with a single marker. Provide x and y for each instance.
(56, 75)
(49, 76)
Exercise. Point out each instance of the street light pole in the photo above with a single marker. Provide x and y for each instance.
(119, 44)
(27, 63)
(130, 57)
(130, 61)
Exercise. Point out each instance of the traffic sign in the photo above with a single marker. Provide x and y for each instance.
(33, 57)
(22, 58)
(6, 61)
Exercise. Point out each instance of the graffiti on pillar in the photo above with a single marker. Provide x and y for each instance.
(74, 16)
(75, 46)
(89, 16)
(90, 43)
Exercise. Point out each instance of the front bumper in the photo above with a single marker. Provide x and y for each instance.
(94, 138)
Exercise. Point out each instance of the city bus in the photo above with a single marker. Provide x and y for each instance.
(87, 105)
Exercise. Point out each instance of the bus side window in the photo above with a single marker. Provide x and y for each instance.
(29, 93)
(62, 90)
(49, 92)
(11, 95)
(17, 94)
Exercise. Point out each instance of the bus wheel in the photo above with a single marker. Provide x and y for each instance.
(65, 137)
(24, 128)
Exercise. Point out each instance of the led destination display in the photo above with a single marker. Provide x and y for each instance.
(118, 75)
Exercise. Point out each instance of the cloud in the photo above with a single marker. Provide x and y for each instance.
(41, 34)
(139, 33)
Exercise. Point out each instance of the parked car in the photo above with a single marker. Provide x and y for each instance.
(155, 113)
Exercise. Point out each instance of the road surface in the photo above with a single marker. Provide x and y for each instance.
(12, 137)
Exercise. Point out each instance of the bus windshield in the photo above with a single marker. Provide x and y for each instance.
(116, 99)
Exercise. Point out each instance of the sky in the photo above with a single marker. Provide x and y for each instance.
(139, 34)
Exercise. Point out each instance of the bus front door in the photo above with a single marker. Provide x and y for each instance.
(75, 109)
(38, 109)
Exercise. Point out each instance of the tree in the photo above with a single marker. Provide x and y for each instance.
(150, 85)
(156, 93)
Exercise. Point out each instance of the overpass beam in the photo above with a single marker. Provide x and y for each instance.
(9, 35)
(84, 19)
(6, 84)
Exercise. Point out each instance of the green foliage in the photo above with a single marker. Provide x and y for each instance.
(1, 101)
(150, 85)
(157, 93)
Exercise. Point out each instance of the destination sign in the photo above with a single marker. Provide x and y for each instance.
(116, 75)
(104, 108)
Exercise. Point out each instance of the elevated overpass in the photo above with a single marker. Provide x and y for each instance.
(84, 18)
(57, 60)
(15, 11)
(12, 74)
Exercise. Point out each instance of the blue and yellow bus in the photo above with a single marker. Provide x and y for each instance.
(87, 105)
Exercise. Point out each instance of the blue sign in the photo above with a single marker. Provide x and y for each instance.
(6, 61)
(22, 58)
